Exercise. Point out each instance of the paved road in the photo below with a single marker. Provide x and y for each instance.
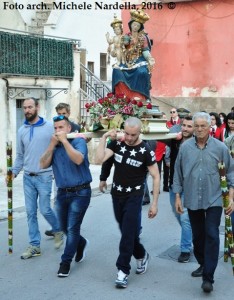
(165, 279)
(18, 196)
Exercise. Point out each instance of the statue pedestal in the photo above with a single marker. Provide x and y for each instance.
(152, 129)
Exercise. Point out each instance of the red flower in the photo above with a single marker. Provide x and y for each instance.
(120, 96)
(111, 105)
(114, 100)
(139, 104)
(149, 106)
(128, 100)
(110, 95)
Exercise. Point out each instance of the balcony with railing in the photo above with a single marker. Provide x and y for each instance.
(35, 56)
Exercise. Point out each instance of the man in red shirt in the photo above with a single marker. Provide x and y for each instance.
(174, 119)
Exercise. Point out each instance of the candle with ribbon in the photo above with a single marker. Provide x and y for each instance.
(9, 196)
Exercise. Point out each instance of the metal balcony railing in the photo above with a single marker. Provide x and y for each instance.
(84, 98)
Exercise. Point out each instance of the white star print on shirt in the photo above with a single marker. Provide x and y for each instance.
(123, 149)
(138, 187)
(133, 152)
(142, 150)
(129, 189)
(119, 188)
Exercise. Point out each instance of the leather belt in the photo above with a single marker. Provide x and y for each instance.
(36, 174)
(75, 188)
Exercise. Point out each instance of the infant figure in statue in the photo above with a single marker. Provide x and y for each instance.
(116, 47)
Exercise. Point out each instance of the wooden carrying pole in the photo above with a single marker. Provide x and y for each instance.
(9, 196)
(228, 239)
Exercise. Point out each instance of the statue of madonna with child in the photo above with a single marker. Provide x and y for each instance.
(134, 63)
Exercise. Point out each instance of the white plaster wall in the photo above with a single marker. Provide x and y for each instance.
(11, 19)
(4, 125)
(89, 26)
(47, 107)
(25, 13)
(74, 88)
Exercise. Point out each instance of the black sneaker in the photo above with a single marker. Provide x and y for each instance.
(64, 269)
(207, 286)
(198, 272)
(49, 233)
(184, 257)
(81, 251)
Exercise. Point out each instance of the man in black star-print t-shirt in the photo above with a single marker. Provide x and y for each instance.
(132, 159)
(130, 168)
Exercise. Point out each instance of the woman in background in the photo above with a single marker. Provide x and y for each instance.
(216, 129)
(223, 117)
(229, 129)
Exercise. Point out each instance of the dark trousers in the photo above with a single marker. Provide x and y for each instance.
(71, 209)
(165, 171)
(205, 229)
(232, 218)
(146, 190)
(127, 212)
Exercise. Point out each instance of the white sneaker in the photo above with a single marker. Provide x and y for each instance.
(31, 251)
(142, 264)
(121, 280)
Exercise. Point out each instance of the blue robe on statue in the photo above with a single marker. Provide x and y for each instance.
(136, 78)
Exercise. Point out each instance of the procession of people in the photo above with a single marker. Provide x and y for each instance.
(44, 151)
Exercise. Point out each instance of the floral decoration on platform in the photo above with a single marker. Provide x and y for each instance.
(116, 109)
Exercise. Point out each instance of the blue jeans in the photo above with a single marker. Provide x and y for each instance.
(183, 219)
(127, 212)
(38, 187)
(146, 189)
(205, 228)
(146, 195)
(71, 208)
